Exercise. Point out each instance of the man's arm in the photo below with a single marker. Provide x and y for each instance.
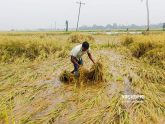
(91, 58)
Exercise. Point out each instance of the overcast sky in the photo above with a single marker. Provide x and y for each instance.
(33, 14)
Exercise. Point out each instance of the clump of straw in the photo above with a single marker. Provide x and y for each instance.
(94, 75)
(66, 77)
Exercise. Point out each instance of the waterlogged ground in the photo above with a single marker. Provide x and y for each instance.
(37, 96)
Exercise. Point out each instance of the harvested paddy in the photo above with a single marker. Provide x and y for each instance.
(31, 91)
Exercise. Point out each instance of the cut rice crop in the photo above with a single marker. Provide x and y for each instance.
(94, 75)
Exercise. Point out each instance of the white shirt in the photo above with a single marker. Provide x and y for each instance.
(77, 51)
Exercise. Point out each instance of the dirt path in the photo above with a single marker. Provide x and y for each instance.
(121, 70)
(122, 75)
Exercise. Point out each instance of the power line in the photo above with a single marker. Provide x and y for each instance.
(79, 13)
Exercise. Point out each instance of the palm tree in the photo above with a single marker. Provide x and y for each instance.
(148, 15)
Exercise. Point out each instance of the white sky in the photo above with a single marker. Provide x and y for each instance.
(33, 14)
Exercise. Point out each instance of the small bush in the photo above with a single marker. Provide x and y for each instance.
(156, 57)
(138, 49)
(79, 38)
(108, 45)
(128, 41)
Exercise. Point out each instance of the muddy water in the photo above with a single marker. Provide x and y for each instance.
(131, 32)
(127, 87)
(54, 81)
(123, 32)
(118, 67)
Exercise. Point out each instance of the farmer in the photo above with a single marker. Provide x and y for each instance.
(76, 56)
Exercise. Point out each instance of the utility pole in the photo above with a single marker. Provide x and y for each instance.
(79, 13)
(66, 25)
(148, 16)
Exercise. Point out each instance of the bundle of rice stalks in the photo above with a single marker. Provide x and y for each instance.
(79, 38)
(83, 75)
(66, 77)
(96, 73)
